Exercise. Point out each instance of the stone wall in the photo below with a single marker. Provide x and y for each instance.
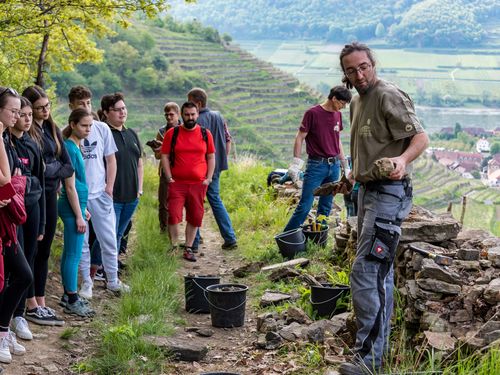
(444, 305)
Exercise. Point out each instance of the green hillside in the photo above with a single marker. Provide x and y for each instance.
(417, 23)
(263, 105)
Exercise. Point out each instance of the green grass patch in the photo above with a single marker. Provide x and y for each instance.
(150, 308)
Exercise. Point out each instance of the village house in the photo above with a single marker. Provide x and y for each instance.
(462, 162)
(483, 145)
(493, 171)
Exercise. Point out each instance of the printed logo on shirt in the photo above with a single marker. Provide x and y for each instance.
(336, 128)
(25, 161)
(88, 149)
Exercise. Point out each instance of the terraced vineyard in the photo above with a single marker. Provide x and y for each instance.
(435, 187)
(263, 105)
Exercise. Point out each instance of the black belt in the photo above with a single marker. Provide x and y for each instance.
(330, 160)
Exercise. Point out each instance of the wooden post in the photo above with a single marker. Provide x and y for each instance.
(450, 205)
(464, 205)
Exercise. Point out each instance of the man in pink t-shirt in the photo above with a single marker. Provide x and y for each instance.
(320, 129)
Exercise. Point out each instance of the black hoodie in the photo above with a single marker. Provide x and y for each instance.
(30, 156)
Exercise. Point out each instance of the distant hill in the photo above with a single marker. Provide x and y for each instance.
(408, 23)
(161, 61)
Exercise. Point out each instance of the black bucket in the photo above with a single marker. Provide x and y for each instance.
(227, 304)
(324, 298)
(220, 373)
(291, 242)
(319, 238)
(194, 287)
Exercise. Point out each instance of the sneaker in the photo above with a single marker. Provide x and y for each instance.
(50, 313)
(118, 287)
(100, 275)
(38, 316)
(5, 356)
(14, 347)
(79, 308)
(64, 300)
(86, 289)
(189, 255)
(229, 245)
(20, 327)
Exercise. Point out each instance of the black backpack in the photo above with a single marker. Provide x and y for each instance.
(174, 140)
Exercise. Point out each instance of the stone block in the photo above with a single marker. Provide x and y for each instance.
(437, 286)
(492, 292)
(423, 225)
(273, 298)
(494, 256)
(440, 340)
(468, 254)
(182, 349)
(431, 270)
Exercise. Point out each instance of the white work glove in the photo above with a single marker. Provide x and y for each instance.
(345, 167)
(294, 169)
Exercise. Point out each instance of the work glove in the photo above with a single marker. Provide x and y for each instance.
(345, 167)
(294, 169)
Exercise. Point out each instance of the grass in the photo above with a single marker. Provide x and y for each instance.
(149, 309)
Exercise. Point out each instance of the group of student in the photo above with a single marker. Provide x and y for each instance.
(91, 170)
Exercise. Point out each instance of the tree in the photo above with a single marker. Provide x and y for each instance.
(37, 36)
(495, 148)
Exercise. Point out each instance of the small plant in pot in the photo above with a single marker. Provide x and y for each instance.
(317, 231)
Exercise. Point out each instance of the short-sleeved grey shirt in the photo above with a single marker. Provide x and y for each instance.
(382, 123)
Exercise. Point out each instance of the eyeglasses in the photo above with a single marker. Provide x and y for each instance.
(121, 109)
(9, 90)
(15, 112)
(42, 108)
(363, 68)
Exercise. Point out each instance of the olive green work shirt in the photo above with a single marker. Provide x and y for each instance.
(383, 121)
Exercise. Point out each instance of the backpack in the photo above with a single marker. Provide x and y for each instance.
(174, 140)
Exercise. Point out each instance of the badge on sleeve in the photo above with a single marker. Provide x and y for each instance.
(409, 127)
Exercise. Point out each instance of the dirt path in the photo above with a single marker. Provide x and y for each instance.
(229, 349)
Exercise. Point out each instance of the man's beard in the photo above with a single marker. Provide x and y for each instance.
(190, 124)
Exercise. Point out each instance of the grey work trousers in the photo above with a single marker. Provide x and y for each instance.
(104, 223)
(382, 208)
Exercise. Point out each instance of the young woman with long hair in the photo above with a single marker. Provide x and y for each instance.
(72, 207)
(57, 167)
(16, 268)
(32, 230)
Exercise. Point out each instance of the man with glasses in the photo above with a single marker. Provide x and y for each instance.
(383, 125)
(320, 128)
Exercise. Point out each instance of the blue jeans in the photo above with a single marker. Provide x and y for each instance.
(123, 213)
(381, 211)
(317, 173)
(219, 211)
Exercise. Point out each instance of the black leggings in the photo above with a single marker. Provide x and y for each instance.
(43, 252)
(18, 277)
(27, 236)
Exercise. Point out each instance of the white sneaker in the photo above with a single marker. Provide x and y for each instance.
(118, 287)
(86, 289)
(14, 346)
(5, 356)
(21, 328)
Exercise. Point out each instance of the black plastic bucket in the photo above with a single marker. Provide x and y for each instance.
(319, 238)
(227, 304)
(324, 298)
(291, 242)
(220, 373)
(194, 288)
